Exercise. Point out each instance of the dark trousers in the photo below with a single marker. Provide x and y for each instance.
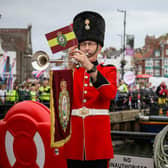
(87, 163)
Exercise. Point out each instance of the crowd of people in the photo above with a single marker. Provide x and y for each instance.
(138, 96)
(36, 90)
(142, 96)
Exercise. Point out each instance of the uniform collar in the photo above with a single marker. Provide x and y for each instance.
(95, 63)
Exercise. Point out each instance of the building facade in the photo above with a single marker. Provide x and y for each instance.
(18, 41)
(153, 57)
(113, 56)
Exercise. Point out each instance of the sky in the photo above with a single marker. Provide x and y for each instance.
(143, 17)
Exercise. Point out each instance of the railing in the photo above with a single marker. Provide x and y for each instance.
(120, 103)
(5, 106)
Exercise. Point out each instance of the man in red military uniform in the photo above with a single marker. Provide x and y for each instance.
(90, 145)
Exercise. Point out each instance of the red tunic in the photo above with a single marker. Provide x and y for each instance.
(90, 137)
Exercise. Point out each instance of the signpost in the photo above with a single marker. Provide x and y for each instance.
(129, 77)
(123, 161)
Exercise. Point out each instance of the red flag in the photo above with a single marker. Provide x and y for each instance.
(61, 82)
(61, 39)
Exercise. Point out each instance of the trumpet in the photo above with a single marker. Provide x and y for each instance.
(41, 61)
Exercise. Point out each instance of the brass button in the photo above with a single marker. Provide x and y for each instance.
(85, 84)
(85, 92)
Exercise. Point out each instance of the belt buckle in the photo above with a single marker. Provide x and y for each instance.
(84, 111)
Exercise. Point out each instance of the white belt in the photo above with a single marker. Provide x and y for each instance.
(84, 112)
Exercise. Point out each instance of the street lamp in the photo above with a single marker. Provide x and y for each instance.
(162, 57)
(121, 37)
(123, 61)
(1, 39)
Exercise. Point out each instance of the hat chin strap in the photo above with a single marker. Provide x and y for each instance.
(94, 52)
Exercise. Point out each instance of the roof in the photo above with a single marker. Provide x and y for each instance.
(148, 54)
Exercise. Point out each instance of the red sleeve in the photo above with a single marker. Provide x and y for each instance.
(106, 81)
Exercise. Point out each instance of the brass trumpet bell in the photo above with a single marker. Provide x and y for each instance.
(40, 60)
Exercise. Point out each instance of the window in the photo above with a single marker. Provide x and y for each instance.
(149, 63)
(139, 69)
(157, 53)
(166, 71)
(166, 51)
(149, 71)
(166, 61)
(157, 63)
(157, 72)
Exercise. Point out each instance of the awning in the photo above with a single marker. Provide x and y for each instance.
(143, 76)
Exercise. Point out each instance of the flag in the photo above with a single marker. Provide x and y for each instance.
(2, 58)
(10, 78)
(9, 81)
(4, 67)
(129, 51)
(61, 93)
(37, 74)
(61, 39)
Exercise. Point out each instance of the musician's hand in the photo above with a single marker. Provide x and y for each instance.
(81, 57)
(71, 64)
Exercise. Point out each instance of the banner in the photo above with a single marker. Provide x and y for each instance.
(10, 77)
(130, 45)
(129, 77)
(61, 39)
(5, 68)
(61, 82)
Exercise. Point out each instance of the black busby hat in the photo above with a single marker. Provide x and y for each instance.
(89, 25)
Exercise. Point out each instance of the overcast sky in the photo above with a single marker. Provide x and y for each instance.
(144, 17)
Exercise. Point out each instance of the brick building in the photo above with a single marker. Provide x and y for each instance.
(153, 57)
(18, 40)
